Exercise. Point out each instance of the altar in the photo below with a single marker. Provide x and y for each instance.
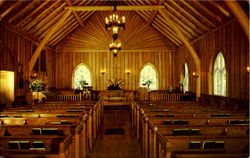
(115, 98)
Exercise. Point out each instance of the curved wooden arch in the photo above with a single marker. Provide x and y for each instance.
(91, 73)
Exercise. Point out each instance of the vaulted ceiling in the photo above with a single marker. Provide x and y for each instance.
(193, 18)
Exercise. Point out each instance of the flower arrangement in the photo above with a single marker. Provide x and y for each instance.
(147, 83)
(37, 85)
(115, 84)
(83, 83)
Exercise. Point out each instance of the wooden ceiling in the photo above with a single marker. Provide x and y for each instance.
(193, 18)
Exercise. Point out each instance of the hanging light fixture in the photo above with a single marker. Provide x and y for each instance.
(113, 22)
(115, 46)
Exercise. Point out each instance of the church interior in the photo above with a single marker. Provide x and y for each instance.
(124, 79)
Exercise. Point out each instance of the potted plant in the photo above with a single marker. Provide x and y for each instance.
(83, 83)
(147, 83)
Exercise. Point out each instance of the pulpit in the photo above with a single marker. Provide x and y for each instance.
(115, 93)
(115, 98)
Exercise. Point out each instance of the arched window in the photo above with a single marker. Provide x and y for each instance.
(148, 75)
(81, 73)
(185, 81)
(220, 75)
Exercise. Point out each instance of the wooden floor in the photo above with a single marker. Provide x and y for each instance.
(111, 142)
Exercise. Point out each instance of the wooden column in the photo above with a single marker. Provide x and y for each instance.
(46, 39)
(239, 14)
(189, 47)
(76, 15)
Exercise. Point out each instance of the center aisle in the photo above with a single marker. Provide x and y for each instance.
(115, 139)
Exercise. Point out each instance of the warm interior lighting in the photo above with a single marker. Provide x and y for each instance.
(195, 74)
(113, 22)
(7, 87)
(248, 69)
(114, 47)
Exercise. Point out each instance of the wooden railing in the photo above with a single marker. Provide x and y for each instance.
(162, 96)
(69, 97)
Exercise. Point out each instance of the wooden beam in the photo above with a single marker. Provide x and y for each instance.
(106, 50)
(46, 39)
(189, 47)
(24, 20)
(197, 13)
(47, 25)
(223, 10)
(240, 15)
(39, 17)
(78, 19)
(61, 33)
(10, 9)
(153, 15)
(152, 18)
(190, 16)
(183, 18)
(118, 8)
(22, 11)
(21, 33)
(207, 11)
(184, 28)
(48, 17)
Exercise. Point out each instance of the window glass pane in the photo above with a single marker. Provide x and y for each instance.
(148, 74)
(220, 75)
(186, 78)
(81, 73)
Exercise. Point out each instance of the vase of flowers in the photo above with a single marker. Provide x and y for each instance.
(147, 83)
(115, 84)
(37, 85)
(36, 88)
(83, 83)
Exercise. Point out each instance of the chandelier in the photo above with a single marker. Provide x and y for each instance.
(115, 46)
(113, 22)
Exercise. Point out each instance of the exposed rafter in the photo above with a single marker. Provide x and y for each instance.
(69, 3)
(26, 19)
(22, 11)
(10, 9)
(46, 39)
(110, 8)
(240, 15)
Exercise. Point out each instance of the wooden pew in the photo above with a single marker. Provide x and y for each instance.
(35, 146)
(140, 122)
(221, 145)
(77, 127)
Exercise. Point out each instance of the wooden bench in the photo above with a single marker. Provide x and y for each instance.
(43, 126)
(35, 146)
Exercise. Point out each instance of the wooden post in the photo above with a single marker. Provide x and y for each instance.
(77, 143)
(189, 47)
(46, 39)
(90, 129)
(137, 123)
(239, 14)
(84, 136)
(155, 142)
(146, 135)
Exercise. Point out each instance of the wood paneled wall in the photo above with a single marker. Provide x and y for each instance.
(136, 36)
(141, 44)
(114, 67)
(21, 51)
(233, 43)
